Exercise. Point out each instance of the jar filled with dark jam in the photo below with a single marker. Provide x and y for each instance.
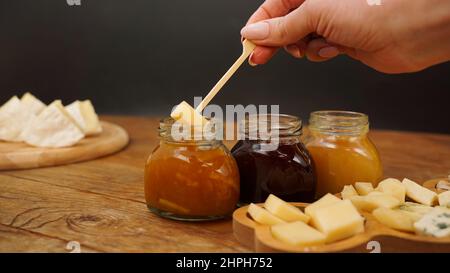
(273, 162)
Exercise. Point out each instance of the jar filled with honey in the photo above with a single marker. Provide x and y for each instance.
(190, 180)
(342, 150)
(278, 165)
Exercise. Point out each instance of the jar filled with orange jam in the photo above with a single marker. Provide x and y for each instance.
(190, 180)
(342, 151)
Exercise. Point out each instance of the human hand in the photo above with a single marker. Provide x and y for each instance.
(396, 36)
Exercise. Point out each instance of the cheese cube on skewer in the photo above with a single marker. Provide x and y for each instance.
(284, 210)
(298, 234)
(262, 216)
(183, 112)
(418, 193)
(83, 113)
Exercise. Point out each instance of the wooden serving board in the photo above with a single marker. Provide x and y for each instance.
(259, 238)
(14, 156)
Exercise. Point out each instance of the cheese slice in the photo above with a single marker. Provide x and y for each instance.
(284, 210)
(393, 187)
(327, 200)
(374, 200)
(444, 199)
(262, 216)
(298, 234)
(348, 191)
(53, 128)
(396, 219)
(363, 188)
(419, 193)
(13, 118)
(33, 104)
(338, 221)
(414, 210)
(83, 113)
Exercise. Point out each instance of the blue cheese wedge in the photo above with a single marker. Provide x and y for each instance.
(53, 128)
(436, 223)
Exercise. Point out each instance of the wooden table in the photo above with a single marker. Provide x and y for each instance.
(100, 204)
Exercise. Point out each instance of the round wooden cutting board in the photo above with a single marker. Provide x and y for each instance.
(14, 156)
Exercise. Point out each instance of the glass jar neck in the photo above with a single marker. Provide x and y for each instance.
(343, 123)
(264, 127)
(171, 132)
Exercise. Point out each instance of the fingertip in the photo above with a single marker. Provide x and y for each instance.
(262, 54)
(328, 52)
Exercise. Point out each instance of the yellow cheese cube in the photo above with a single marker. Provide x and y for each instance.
(338, 221)
(374, 200)
(395, 219)
(418, 193)
(298, 234)
(444, 199)
(184, 113)
(262, 216)
(363, 188)
(393, 187)
(348, 191)
(284, 210)
(326, 200)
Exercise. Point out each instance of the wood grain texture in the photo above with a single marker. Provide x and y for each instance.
(14, 156)
(259, 238)
(100, 203)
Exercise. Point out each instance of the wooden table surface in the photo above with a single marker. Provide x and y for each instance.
(100, 204)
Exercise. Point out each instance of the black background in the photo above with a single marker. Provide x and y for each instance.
(141, 57)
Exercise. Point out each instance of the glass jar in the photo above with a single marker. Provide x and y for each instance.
(285, 170)
(342, 150)
(190, 180)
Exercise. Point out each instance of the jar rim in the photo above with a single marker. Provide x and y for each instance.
(165, 132)
(337, 121)
(285, 125)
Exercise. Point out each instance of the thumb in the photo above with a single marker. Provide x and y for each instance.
(280, 31)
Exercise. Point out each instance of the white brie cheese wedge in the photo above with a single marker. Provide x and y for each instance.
(53, 128)
(32, 104)
(13, 119)
(84, 114)
(33, 107)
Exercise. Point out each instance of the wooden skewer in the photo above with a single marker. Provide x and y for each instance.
(247, 48)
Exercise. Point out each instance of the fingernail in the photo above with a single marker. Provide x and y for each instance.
(294, 51)
(328, 52)
(250, 61)
(257, 31)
